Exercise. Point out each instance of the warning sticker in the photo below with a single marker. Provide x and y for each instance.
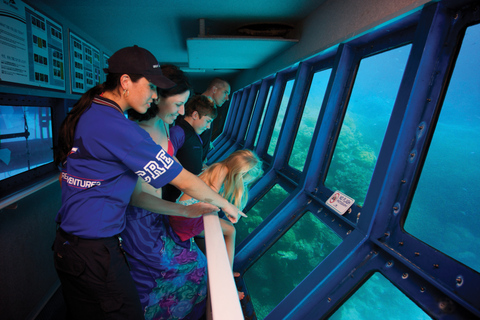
(340, 202)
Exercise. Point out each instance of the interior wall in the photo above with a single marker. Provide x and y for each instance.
(27, 273)
(317, 34)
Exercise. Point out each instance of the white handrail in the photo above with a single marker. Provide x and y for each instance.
(223, 292)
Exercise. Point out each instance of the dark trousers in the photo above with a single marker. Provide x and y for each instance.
(95, 277)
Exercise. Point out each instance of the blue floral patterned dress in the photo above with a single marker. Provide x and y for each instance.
(170, 274)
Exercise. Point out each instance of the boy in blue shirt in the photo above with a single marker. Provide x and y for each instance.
(200, 111)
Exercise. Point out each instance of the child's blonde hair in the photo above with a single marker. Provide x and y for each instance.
(244, 167)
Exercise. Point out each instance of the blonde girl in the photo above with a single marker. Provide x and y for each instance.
(231, 178)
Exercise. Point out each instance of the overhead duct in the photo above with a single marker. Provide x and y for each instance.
(237, 52)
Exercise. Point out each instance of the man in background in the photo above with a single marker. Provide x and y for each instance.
(219, 91)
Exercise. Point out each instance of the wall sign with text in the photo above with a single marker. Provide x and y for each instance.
(31, 47)
(85, 64)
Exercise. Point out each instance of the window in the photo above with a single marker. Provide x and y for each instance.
(379, 299)
(25, 139)
(444, 209)
(280, 117)
(288, 262)
(253, 110)
(309, 119)
(365, 122)
(260, 211)
(263, 114)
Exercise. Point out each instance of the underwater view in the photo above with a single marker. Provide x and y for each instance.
(443, 211)
(32, 127)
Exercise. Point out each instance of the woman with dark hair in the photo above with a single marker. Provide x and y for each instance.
(102, 154)
(153, 249)
(177, 76)
(166, 108)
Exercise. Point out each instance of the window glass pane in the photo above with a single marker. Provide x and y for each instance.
(444, 211)
(260, 211)
(288, 262)
(379, 299)
(365, 123)
(251, 114)
(309, 119)
(25, 139)
(263, 114)
(280, 116)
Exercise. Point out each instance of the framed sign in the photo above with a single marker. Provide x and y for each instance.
(105, 65)
(31, 47)
(85, 64)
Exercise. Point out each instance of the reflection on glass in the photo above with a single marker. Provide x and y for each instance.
(260, 211)
(280, 116)
(288, 262)
(444, 211)
(25, 139)
(309, 119)
(365, 123)
(263, 114)
(379, 299)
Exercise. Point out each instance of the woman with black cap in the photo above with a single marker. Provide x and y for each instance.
(102, 153)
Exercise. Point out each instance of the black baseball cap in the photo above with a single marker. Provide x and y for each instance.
(138, 60)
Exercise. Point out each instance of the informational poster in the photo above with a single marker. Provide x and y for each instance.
(31, 47)
(85, 64)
